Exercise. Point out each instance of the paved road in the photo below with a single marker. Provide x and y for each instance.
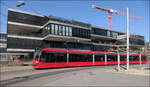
(15, 68)
(79, 76)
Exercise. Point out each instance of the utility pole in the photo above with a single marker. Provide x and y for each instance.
(118, 61)
(105, 58)
(140, 56)
(128, 39)
(93, 58)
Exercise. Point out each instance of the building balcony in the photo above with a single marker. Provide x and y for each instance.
(3, 40)
(132, 45)
(24, 37)
(106, 44)
(19, 50)
(22, 27)
(65, 38)
(131, 36)
(100, 37)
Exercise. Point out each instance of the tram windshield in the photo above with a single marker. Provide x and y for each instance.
(36, 55)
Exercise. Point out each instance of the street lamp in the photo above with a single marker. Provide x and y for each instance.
(20, 4)
(128, 39)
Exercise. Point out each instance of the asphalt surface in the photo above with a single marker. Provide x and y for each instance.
(77, 76)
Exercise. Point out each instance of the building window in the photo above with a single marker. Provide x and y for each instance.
(52, 28)
(3, 45)
(67, 33)
(108, 34)
(56, 29)
(59, 30)
(114, 34)
(63, 29)
(3, 36)
(70, 31)
(48, 28)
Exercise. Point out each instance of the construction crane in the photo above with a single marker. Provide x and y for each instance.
(110, 11)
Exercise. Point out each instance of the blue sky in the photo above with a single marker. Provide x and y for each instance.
(82, 11)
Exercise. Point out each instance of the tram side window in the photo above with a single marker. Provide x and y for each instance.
(143, 58)
(111, 57)
(134, 58)
(53, 57)
(123, 57)
(61, 57)
(99, 57)
(80, 58)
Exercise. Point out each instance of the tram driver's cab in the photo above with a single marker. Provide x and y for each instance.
(36, 58)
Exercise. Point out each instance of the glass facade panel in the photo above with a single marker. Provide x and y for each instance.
(26, 18)
(60, 30)
(52, 29)
(63, 30)
(3, 36)
(99, 31)
(23, 43)
(114, 34)
(67, 31)
(78, 32)
(108, 34)
(56, 29)
(70, 31)
(48, 27)
(136, 41)
(3, 45)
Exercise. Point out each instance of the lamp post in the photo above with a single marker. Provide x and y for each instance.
(127, 39)
(66, 45)
(118, 60)
(20, 4)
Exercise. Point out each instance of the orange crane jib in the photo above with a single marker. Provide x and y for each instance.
(110, 11)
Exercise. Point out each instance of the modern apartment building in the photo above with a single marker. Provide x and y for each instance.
(28, 31)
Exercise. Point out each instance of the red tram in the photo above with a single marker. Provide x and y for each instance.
(52, 58)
